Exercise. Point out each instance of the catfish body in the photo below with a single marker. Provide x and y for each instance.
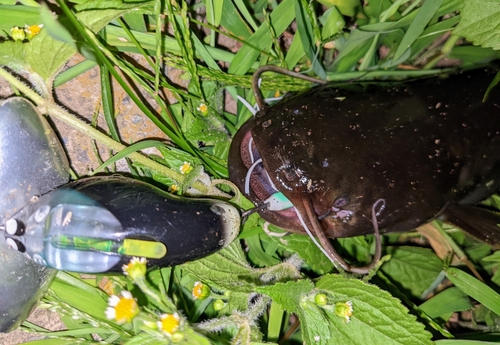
(422, 146)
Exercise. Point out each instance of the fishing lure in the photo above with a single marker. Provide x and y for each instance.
(343, 160)
(98, 224)
(92, 225)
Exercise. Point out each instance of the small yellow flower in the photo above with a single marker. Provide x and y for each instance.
(136, 268)
(122, 308)
(186, 168)
(344, 310)
(200, 291)
(277, 94)
(169, 323)
(203, 109)
(17, 33)
(173, 188)
(32, 30)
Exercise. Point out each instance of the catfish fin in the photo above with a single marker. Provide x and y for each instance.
(478, 222)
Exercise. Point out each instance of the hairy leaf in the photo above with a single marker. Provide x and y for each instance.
(480, 23)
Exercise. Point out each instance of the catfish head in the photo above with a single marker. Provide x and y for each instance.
(344, 160)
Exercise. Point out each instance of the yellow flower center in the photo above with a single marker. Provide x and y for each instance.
(200, 291)
(33, 30)
(186, 168)
(197, 290)
(203, 108)
(126, 310)
(169, 323)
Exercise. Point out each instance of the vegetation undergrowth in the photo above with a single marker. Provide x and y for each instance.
(260, 289)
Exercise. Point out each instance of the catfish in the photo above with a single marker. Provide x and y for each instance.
(344, 160)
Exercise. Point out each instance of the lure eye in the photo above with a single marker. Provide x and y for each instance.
(341, 201)
(15, 244)
(14, 227)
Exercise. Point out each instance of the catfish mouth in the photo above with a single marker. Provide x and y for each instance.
(247, 171)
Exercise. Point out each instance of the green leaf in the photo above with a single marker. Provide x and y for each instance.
(257, 255)
(55, 29)
(214, 11)
(495, 257)
(95, 14)
(56, 341)
(332, 21)
(446, 302)
(281, 18)
(480, 23)
(288, 295)
(233, 21)
(143, 339)
(353, 49)
(12, 54)
(11, 16)
(464, 342)
(226, 269)
(135, 21)
(316, 328)
(80, 295)
(306, 33)
(55, 55)
(209, 130)
(141, 145)
(413, 268)
(474, 55)
(377, 317)
(306, 250)
(417, 26)
(475, 288)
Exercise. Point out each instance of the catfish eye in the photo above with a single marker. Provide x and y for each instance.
(290, 174)
(341, 201)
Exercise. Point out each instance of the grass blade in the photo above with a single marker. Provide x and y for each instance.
(475, 289)
(141, 145)
(417, 26)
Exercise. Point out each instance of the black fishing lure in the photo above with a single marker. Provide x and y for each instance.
(98, 224)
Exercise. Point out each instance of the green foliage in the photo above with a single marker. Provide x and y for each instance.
(258, 282)
(480, 23)
(414, 268)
